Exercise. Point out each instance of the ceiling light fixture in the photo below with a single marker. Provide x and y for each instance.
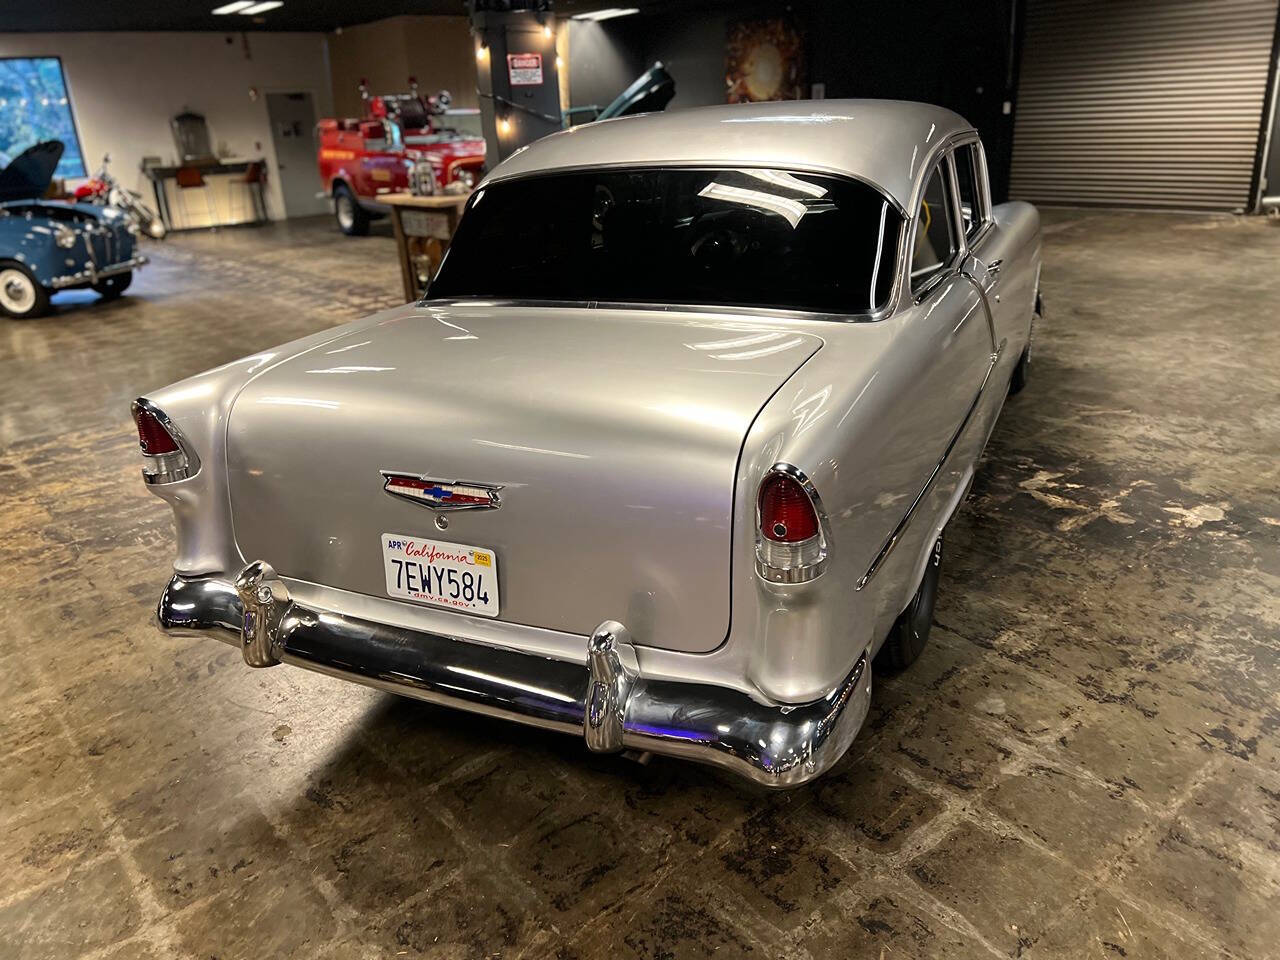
(232, 7)
(262, 7)
(608, 13)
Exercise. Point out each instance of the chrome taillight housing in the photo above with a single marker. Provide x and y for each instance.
(166, 456)
(791, 527)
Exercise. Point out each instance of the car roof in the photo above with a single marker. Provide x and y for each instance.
(883, 142)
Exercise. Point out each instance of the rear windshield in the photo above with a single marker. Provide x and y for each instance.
(764, 238)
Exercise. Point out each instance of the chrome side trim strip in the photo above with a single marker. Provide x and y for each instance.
(901, 528)
(986, 307)
(773, 744)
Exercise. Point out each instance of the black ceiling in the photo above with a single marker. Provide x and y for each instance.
(65, 16)
(27, 16)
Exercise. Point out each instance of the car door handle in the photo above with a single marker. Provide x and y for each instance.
(994, 266)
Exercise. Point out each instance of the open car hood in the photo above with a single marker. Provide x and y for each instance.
(29, 175)
(648, 93)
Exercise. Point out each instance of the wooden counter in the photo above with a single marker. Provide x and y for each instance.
(424, 226)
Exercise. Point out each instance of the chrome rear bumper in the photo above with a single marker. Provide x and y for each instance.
(604, 698)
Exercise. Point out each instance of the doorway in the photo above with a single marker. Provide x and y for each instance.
(293, 121)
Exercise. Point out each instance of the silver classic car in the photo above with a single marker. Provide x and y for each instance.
(663, 460)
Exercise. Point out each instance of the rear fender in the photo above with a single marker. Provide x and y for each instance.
(200, 407)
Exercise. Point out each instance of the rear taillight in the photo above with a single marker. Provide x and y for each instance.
(791, 537)
(153, 438)
(165, 457)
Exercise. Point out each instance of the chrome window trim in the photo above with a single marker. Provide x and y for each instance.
(951, 266)
(984, 182)
(882, 312)
(901, 266)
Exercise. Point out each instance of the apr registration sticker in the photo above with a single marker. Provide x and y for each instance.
(451, 575)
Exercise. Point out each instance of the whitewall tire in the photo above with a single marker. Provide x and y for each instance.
(21, 295)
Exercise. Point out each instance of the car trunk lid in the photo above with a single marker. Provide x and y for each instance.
(614, 436)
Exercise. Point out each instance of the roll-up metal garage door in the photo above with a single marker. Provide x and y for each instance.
(1142, 103)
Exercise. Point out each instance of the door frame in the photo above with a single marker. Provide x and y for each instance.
(265, 98)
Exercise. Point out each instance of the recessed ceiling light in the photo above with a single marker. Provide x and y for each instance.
(233, 7)
(608, 13)
(262, 7)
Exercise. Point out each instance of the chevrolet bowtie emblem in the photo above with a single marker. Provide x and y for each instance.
(442, 494)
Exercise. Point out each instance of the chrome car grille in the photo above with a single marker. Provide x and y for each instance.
(108, 244)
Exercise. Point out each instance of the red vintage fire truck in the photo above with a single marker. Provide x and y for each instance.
(400, 144)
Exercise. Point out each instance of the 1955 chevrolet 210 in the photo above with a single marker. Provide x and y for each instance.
(663, 460)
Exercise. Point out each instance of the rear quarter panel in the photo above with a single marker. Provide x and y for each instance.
(200, 407)
(840, 419)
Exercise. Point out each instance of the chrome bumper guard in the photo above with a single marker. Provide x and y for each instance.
(604, 699)
(90, 274)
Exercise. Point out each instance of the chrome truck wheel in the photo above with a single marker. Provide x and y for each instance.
(21, 295)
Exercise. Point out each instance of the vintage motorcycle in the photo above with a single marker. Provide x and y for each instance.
(104, 190)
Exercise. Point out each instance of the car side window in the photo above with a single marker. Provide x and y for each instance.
(935, 242)
(967, 185)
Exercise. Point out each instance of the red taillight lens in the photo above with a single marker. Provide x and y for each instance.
(152, 436)
(786, 513)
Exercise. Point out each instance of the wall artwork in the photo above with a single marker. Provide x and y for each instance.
(765, 61)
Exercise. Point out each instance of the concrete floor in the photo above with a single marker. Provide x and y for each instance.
(1084, 763)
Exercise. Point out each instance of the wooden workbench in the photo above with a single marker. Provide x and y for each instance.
(424, 226)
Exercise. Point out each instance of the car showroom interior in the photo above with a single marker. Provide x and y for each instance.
(640, 479)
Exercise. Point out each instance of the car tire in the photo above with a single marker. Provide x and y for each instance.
(910, 632)
(22, 296)
(112, 287)
(1021, 373)
(352, 218)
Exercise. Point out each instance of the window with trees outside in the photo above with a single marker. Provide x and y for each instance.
(34, 107)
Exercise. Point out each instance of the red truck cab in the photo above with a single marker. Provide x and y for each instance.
(400, 144)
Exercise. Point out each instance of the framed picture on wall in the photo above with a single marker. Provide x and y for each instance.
(764, 61)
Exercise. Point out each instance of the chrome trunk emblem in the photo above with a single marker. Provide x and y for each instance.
(442, 494)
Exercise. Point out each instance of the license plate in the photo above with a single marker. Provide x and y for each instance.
(452, 575)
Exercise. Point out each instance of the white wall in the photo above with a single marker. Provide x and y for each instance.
(124, 87)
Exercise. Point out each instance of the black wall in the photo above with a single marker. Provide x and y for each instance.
(956, 55)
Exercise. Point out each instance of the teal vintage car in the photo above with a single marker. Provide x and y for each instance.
(52, 245)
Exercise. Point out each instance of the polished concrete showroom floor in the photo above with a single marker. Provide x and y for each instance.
(1084, 763)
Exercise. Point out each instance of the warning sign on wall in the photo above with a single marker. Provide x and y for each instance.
(524, 69)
